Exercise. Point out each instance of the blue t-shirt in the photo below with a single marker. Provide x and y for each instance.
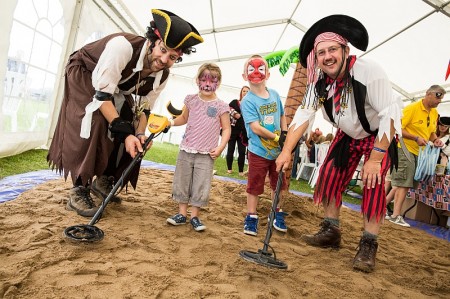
(268, 113)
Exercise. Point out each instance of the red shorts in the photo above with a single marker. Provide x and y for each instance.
(258, 168)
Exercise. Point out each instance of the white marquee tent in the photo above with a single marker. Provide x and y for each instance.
(409, 38)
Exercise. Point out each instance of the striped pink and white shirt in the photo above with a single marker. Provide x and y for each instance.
(203, 125)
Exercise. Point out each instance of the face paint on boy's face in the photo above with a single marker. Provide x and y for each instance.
(207, 82)
(256, 70)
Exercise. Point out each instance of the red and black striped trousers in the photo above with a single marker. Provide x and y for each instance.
(333, 181)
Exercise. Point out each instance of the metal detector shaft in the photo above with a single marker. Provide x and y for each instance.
(272, 211)
(119, 183)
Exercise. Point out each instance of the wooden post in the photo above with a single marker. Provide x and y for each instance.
(294, 98)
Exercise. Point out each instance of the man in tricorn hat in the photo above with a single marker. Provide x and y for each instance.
(101, 126)
(355, 96)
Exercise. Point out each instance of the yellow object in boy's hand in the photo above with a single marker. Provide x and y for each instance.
(269, 144)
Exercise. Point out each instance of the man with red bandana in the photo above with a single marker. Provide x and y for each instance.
(101, 126)
(355, 96)
(266, 126)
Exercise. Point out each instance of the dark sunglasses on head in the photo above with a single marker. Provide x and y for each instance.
(439, 95)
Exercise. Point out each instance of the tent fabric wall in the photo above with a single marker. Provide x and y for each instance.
(92, 20)
(14, 142)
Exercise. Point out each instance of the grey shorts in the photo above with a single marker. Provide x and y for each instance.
(192, 179)
(404, 175)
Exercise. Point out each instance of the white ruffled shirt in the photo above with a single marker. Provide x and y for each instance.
(380, 105)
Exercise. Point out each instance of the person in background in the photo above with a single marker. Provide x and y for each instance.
(311, 142)
(204, 116)
(266, 127)
(355, 95)
(329, 137)
(443, 133)
(110, 87)
(238, 134)
(419, 123)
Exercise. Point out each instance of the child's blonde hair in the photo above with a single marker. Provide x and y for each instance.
(213, 68)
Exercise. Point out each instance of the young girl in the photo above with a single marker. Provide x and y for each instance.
(204, 115)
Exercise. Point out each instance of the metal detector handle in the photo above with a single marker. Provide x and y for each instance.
(272, 211)
(119, 183)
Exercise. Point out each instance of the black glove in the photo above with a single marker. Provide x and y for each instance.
(120, 129)
(282, 138)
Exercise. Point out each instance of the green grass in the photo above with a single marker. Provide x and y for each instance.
(25, 162)
(164, 153)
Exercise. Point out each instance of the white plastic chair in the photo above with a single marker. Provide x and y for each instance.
(321, 153)
(304, 160)
(14, 89)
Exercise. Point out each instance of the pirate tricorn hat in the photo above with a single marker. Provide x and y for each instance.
(175, 32)
(348, 27)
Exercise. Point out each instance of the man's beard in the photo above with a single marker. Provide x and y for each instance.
(154, 65)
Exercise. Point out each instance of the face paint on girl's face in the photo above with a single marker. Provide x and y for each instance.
(208, 82)
(256, 70)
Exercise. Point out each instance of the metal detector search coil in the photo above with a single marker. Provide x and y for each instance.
(89, 233)
(263, 256)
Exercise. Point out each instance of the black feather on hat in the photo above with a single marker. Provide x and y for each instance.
(348, 27)
(175, 32)
(444, 120)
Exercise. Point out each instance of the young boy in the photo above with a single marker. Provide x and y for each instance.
(265, 122)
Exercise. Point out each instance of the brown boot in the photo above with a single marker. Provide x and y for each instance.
(328, 236)
(101, 187)
(365, 258)
(80, 200)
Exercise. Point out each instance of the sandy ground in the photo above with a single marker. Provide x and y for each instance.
(141, 256)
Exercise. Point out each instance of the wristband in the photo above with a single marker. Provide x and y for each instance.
(277, 137)
(140, 134)
(120, 129)
(379, 149)
(417, 138)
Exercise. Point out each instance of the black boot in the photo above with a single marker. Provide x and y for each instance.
(101, 187)
(365, 257)
(328, 236)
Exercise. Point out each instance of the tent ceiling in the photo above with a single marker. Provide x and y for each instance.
(409, 38)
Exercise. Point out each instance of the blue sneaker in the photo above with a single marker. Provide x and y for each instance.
(177, 219)
(197, 224)
(278, 222)
(251, 225)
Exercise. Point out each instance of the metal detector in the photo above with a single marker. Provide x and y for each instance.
(88, 233)
(263, 256)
